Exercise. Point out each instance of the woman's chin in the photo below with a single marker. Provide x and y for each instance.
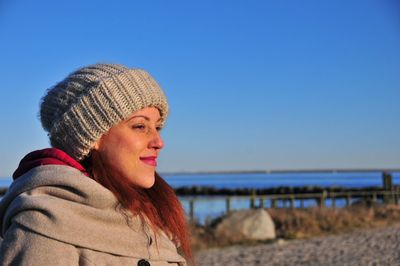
(148, 182)
(143, 179)
(148, 186)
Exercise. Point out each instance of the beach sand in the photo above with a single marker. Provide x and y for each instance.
(379, 246)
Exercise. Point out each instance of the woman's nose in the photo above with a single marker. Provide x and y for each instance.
(156, 141)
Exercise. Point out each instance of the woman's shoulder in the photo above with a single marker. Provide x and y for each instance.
(60, 182)
(51, 170)
(55, 198)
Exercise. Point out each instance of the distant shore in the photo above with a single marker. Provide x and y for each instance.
(287, 171)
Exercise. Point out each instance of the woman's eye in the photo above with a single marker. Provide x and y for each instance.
(139, 126)
(158, 128)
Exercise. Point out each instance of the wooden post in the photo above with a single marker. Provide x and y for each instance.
(253, 200)
(252, 203)
(387, 181)
(292, 199)
(387, 186)
(302, 203)
(228, 205)
(322, 199)
(348, 200)
(262, 202)
(273, 203)
(333, 201)
(191, 210)
(374, 197)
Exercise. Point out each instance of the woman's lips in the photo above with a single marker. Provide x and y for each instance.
(150, 160)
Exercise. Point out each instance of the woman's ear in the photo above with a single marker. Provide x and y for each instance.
(96, 145)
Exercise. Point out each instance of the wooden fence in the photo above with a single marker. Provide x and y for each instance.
(288, 200)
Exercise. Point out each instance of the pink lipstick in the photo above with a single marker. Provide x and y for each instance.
(150, 160)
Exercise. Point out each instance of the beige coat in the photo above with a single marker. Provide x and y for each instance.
(55, 215)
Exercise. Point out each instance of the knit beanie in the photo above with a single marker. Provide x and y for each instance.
(77, 111)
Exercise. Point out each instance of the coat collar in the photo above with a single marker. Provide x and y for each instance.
(49, 156)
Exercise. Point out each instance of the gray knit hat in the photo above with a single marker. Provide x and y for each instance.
(85, 105)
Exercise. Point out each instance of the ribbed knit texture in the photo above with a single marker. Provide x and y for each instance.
(85, 105)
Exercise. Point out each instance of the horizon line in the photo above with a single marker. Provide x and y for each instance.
(275, 171)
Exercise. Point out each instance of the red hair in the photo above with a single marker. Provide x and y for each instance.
(158, 204)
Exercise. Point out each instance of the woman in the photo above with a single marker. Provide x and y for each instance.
(95, 197)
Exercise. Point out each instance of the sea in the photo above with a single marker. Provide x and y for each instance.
(208, 208)
(289, 179)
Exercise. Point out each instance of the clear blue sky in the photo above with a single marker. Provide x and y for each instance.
(251, 84)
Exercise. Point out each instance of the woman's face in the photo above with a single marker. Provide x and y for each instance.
(131, 147)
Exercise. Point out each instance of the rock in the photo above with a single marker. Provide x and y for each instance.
(246, 225)
(281, 242)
